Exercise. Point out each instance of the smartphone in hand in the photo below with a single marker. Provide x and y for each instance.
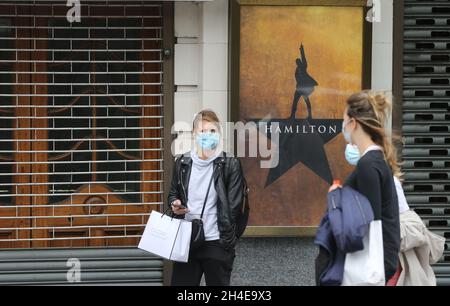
(181, 206)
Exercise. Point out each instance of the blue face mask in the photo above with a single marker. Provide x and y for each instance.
(208, 141)
(352, 154)
(345, 133)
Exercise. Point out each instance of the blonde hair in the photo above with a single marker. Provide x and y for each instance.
(372, 111)
(206, 115)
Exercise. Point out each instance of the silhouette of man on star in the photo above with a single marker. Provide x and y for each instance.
(305, 84)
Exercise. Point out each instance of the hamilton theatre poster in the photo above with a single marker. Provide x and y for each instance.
(298, 64)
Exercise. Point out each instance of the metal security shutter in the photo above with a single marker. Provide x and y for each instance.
(81, 139)
(83, 164)
(426, 117)
(120, 266)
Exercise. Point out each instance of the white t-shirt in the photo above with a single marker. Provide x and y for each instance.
(402, 203)
(371, 148)
(201, 173)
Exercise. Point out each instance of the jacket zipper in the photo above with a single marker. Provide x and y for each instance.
(182, 187)
(360, 208)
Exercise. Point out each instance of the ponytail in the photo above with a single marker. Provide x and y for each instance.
(372, 112)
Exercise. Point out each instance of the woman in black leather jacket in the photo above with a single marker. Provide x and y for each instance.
(207, 166)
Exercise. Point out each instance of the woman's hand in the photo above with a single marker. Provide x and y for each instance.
(178, 209)
(334, 187)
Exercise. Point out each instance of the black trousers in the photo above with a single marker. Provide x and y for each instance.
(211, 260)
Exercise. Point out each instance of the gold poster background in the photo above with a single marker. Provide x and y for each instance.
(270, 38)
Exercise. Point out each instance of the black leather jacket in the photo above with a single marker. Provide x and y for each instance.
(229, 185)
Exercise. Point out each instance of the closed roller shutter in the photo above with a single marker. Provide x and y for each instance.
(426, 117)
(81, 139)
(118, 266)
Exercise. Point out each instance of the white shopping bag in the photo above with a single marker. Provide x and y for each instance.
(366, 267)
(167, 237)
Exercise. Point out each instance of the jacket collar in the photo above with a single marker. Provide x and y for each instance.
(186, 158)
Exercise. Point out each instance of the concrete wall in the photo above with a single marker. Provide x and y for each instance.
(201, 64)
(200, 75)
(382, 51)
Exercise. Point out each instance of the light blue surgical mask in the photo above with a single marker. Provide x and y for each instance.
(352, 154)
(208, 141)
(345, 133)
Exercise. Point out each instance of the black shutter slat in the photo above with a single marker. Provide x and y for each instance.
(426, 120)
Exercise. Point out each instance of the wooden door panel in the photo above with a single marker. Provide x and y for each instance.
(15, 197)
(39, 134)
